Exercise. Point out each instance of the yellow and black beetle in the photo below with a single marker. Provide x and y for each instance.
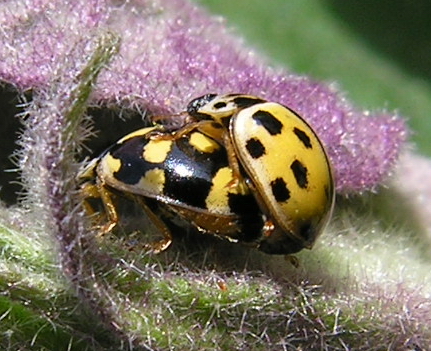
(241, 168)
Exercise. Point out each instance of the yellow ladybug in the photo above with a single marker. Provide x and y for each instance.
(186, 178)
(280, 157)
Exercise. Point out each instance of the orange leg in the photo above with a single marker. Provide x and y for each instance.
(163, 244)
(237, 178)
(111, 211)
(176, 121)
(98, 190)
(205, 127)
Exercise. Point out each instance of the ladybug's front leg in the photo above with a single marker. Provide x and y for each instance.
(98, 190)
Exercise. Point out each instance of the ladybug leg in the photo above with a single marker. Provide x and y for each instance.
(293, 260)
(111, 211)
(175, 135)
(237, 178)
(98, 190)
(163, 244)
(205, 127)
(89, 190)
(173, 122)
(268, 227)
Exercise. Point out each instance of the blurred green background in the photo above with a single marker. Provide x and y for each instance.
(379, 52)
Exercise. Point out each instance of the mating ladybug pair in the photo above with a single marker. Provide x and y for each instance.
(235, 166)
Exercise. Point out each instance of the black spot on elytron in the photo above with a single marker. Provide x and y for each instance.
(279, 190)
(244, 101)
(243, 204)
(188, 191)
(250, 218)
(303, 137)
(219, 105)
(189, 173)
(300, 173)
(255, 148)
(133, 166)
(268, 121)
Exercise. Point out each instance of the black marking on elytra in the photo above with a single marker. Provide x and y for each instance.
(242, 204)
(250, 216)
(268, 121)
(255, 148)
(189, 173)
(300, 172)
(279, 190)
(303, 137)
(246, 101)
(133, 166)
